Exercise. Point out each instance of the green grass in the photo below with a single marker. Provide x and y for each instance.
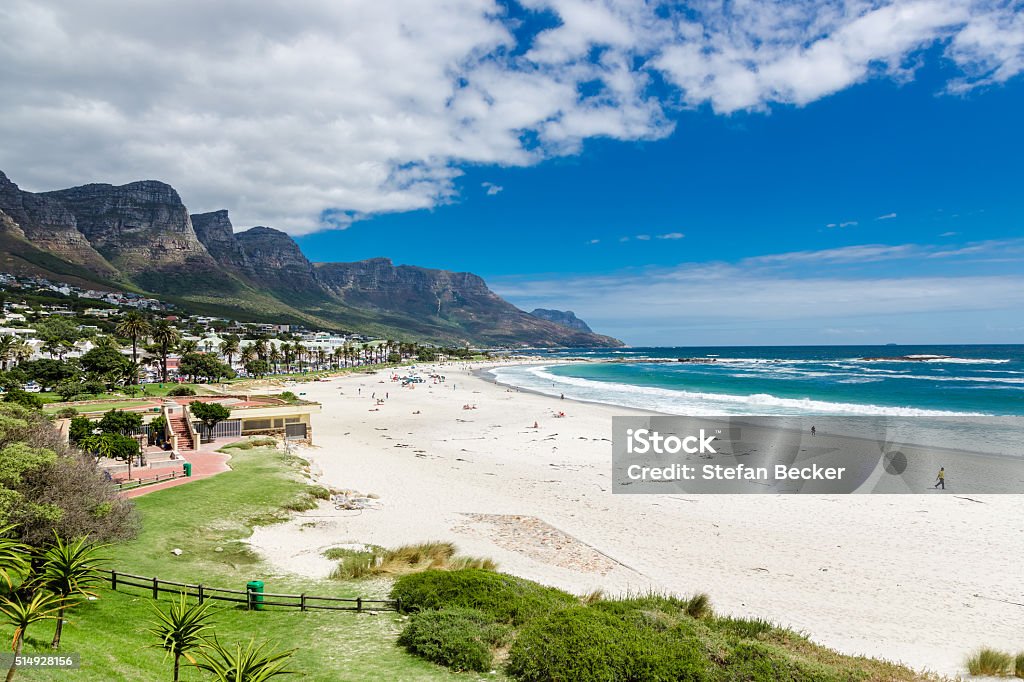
(198, 518)
(98, 407)
(990, 662)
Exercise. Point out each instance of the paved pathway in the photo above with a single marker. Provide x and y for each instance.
(205, 462)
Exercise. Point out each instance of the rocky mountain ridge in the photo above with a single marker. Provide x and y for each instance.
(141, 236)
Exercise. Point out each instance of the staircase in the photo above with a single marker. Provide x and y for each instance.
(180, 428)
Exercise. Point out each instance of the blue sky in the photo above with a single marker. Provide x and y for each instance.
(752, 171)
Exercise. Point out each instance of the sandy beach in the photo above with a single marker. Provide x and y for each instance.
(922, 579)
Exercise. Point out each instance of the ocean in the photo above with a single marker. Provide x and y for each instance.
(788, 380)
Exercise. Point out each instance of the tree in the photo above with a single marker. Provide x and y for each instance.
(69, 570)
(250, 664)
(257, 368)
(180, 629)
(105, 364)
(20, 614)
(229, 348)
(166, 337)
(14, 558)
(80, 429)
(119, 421)
(133, 326)
(202, 366)
(48, 372)
(68, 389)
(58, 335)
(210, 414)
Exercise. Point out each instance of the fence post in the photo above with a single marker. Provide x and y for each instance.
(156, 588)
(248, 598)
(199, 590)
(398, 605)
(113, 580)
(359, 604)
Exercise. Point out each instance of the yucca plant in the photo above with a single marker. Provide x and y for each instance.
(69, 570)
(180, 629)
(15, 558)
(20, 614)
(248, 664)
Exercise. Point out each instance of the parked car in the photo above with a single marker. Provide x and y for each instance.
(32, 387)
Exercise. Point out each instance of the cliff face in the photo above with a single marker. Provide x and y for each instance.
(566, 318)
(50, 226)
(274, 258)
(460, 303)
(217, 234)
(136, 226)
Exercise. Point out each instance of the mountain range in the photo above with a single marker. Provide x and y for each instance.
(141, 237)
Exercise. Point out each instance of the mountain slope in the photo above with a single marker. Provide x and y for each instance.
(141, 237)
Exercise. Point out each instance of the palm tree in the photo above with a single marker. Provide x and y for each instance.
(14, 558)
(107, 342)
(180, 629)
(166, 336)
(188, 346)
(275, 358)
(243, 665)
(229, 348)
(133, 326)
(7, 343)
(69, 569)
(248, 355)
(21, 614)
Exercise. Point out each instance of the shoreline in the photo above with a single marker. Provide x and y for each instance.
(910, 578)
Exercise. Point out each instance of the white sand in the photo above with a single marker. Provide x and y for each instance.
(913, 578)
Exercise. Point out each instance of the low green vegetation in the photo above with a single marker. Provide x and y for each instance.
(479, 620)
(988, 662)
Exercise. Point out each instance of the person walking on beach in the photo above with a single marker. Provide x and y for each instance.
(814, 431)
(941, 478)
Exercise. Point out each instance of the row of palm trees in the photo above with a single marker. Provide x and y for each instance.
(40, 585)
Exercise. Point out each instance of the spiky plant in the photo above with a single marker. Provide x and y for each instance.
(248, 664)
(20, 614)
(180, 629)
(70, 570)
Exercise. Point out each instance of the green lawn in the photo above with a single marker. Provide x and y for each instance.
(98, 407)
(197, 518)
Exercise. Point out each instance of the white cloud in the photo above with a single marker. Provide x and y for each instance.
(782, 293)
(643, 237)
(887, 216)
(312, 113)
(594, 241)
(671, 235)
(491, 189)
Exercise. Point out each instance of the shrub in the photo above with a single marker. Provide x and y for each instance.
(181, 390)
(66, 413)
(319, 492)
(79, 429)
(406, 559)
(506, 598)
(289, 397)
(1018, 665)
(760, 662)
(24, 398)
(989, 662)
(263, 442)
(461, 639)
(583, 643)
(746, 628)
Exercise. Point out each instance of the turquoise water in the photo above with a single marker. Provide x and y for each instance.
(841, 380)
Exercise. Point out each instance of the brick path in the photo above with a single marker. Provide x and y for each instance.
(206, 462)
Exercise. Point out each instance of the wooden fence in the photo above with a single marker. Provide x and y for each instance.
(132, 483)
(251, 599)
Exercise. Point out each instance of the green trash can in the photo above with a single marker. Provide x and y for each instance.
(188, 469)
(254, 588)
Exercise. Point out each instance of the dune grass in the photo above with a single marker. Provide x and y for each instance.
(372, 561)
(990, 662)
(201, 518)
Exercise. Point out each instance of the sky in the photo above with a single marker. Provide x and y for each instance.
(742, 172)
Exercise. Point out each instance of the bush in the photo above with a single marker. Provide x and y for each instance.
(505, 598)
(461, 639)
(79, 429)
(289, 397)
(181, 390)
(24, 398)
(407, 559)
(263, 442)
(584, 643)
(989, 662)
(66, 413)
(760, 662)
(1018, 665)
(121, 422)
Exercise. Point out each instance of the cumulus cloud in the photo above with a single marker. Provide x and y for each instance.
(313, 113)
(491, 189)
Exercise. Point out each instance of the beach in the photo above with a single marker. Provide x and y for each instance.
(920, 579)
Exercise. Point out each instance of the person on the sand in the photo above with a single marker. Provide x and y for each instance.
(941, 478)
